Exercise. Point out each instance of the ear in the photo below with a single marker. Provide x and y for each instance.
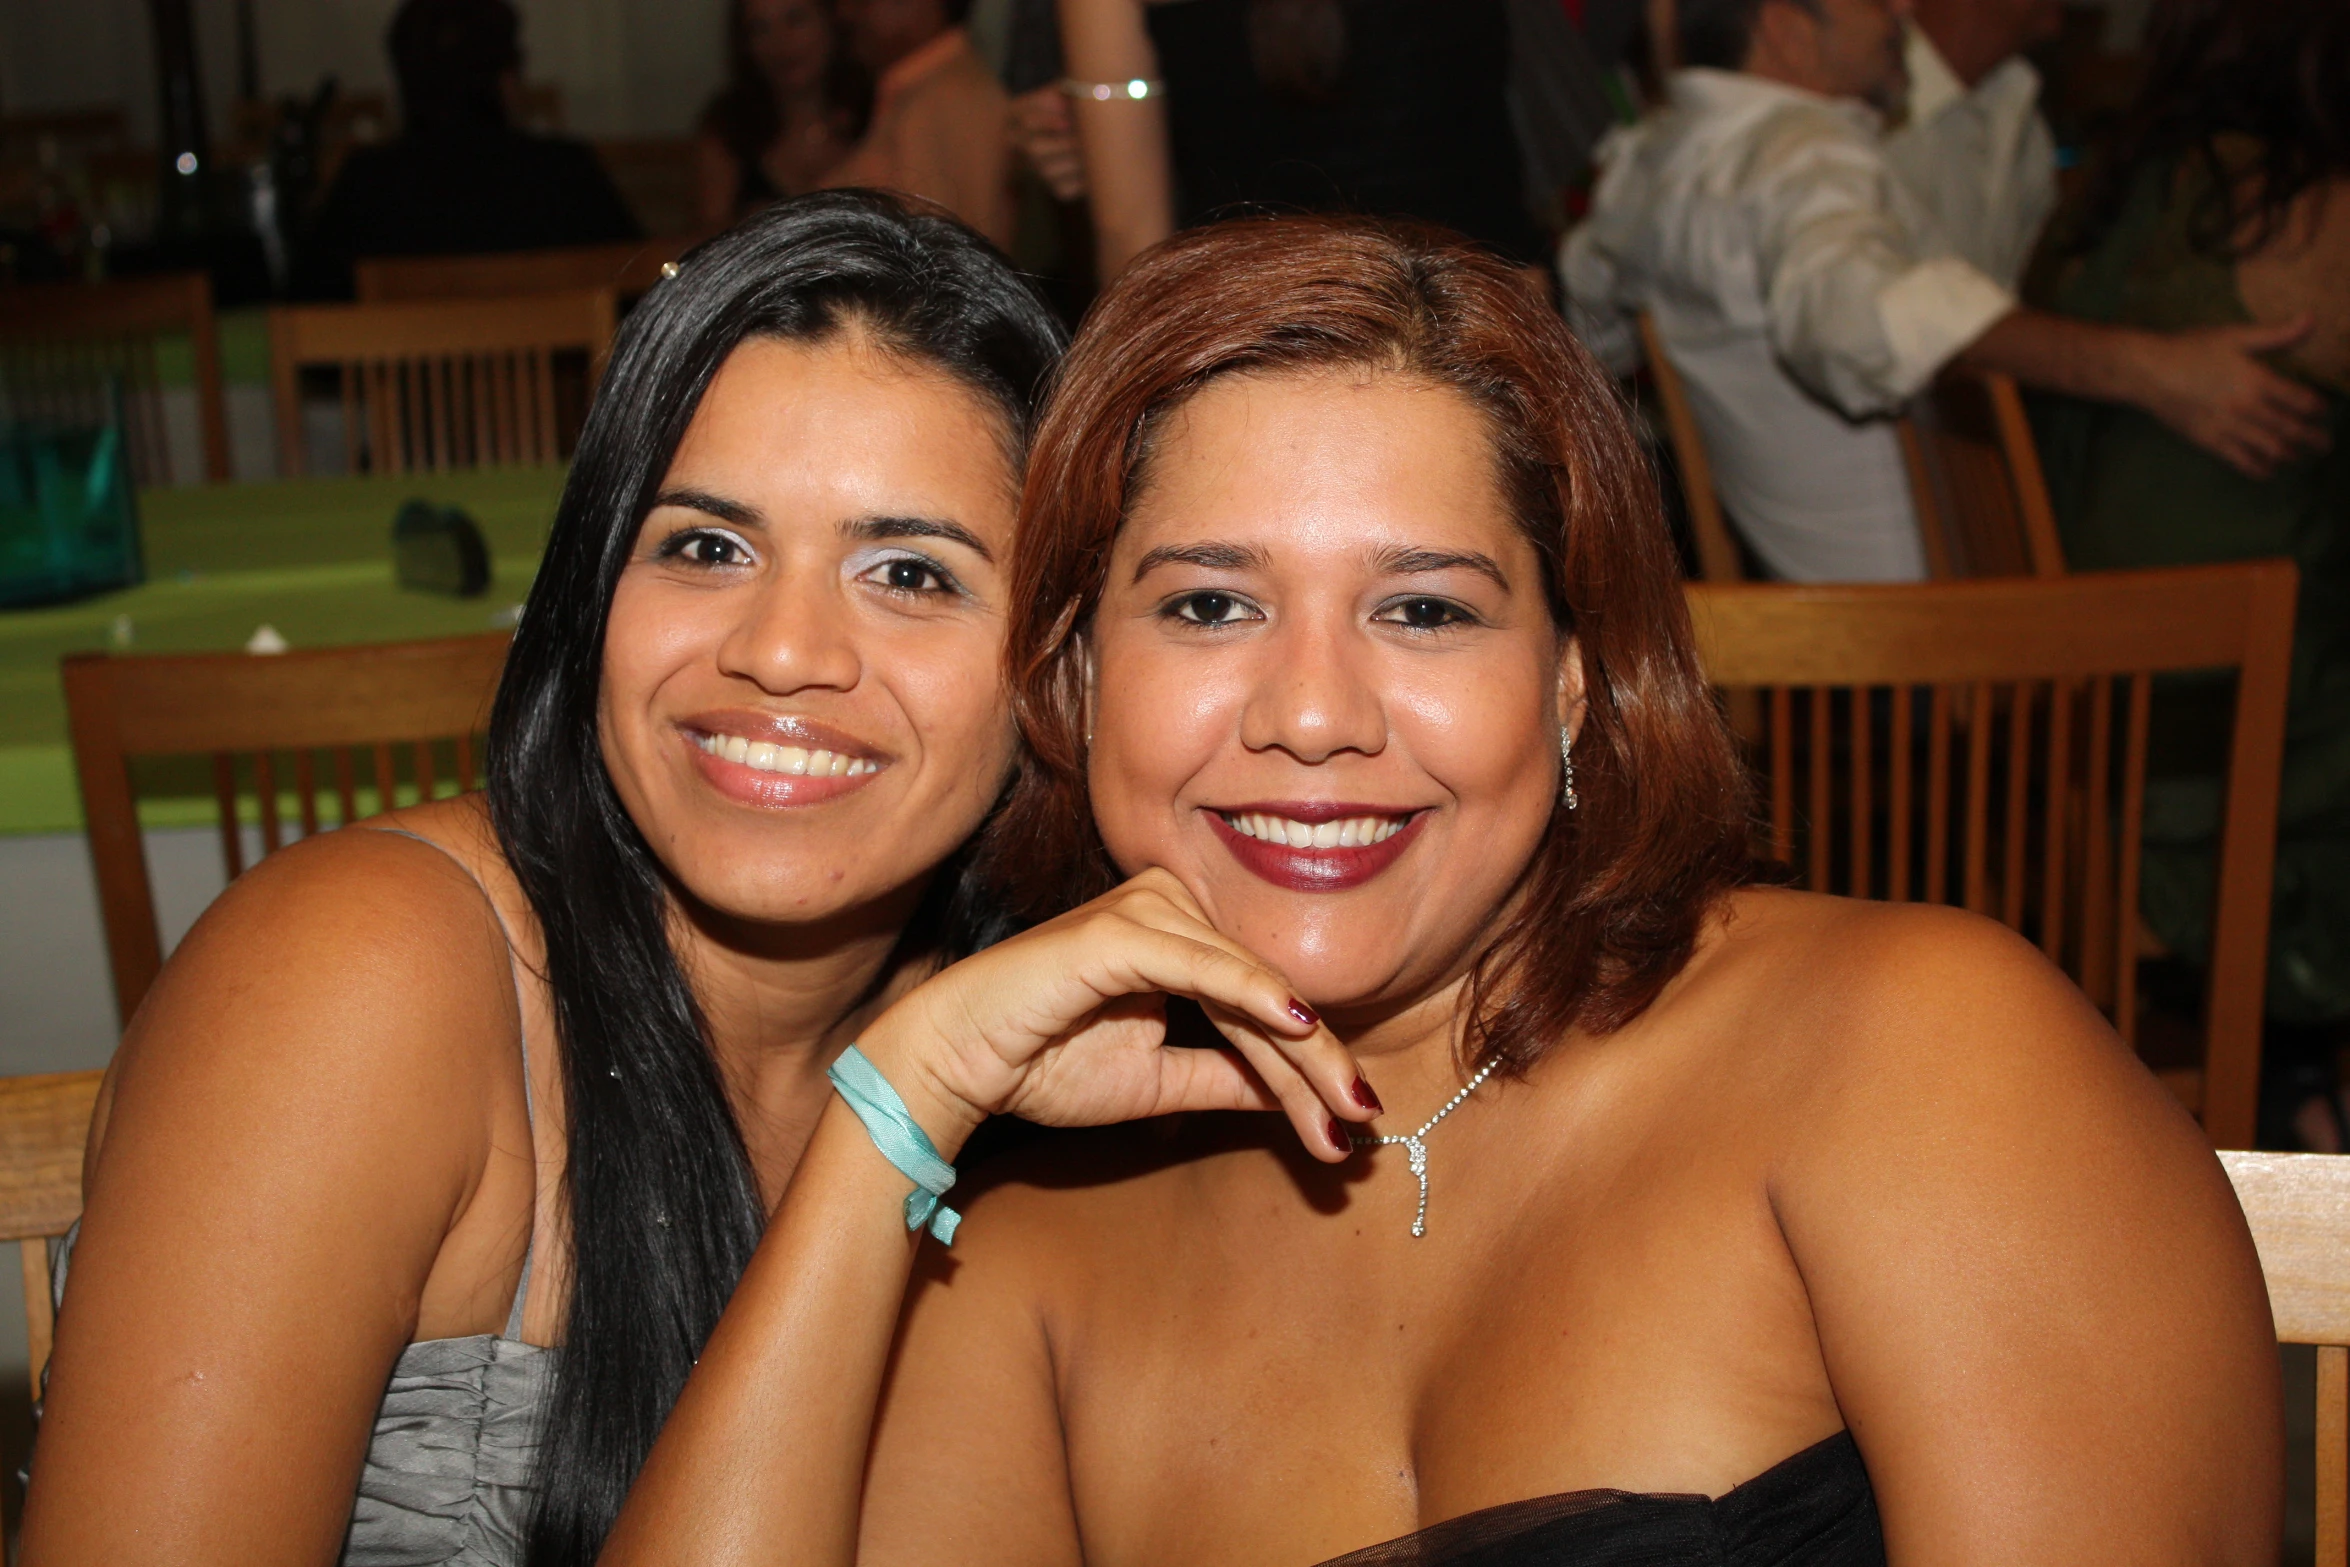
(1785, 43)
(1573, 699)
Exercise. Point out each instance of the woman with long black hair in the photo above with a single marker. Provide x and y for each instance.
(417, 1102)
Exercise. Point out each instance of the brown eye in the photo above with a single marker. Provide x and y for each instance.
(1425, 614)
(703, 547)
(1210, 609)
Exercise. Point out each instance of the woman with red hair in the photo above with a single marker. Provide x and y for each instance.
(1709, 1223)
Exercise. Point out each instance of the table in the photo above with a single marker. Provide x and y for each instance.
(310, 557)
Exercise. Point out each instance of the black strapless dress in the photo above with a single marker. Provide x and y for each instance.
(1813, 1510)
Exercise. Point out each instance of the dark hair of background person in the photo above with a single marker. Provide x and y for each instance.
(450, 57)
(1614, 896)
(2274, 71)
(744, 115)
(658, 1190)
(1717, 33)
(1298, 47)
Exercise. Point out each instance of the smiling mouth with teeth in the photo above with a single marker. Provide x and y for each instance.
(1354, 832)
(791, 761)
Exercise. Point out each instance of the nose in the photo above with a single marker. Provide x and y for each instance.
(794, 634)
(1315, 694)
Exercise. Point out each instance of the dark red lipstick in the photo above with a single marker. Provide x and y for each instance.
(1336, 868)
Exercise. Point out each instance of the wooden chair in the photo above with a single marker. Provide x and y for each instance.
(629, 269)
(375, 711)
(1718, 559)
(1975, 477)
(2298, 1205)
(64, 345)
(440, 384)
(43, 1123)
(1984, 744)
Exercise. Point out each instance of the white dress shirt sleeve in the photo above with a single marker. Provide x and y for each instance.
(1855, 313)
(1598, 311)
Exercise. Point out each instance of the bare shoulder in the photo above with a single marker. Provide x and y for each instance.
(358, 964)
(2034, 1295)
(1859, 997)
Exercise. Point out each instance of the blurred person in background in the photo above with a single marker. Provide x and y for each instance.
(942, 124)
(793, 106)
(2227, 208)
(1973, 146)
(1388, 108)
(1805, 293)
(461, 177)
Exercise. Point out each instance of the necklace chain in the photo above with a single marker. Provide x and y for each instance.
(1415, 1145)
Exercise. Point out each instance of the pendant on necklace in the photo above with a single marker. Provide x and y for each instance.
(1416, 1148)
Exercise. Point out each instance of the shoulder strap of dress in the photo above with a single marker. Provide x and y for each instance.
(522, 1035)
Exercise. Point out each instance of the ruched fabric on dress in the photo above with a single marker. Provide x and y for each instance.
(449, 1471)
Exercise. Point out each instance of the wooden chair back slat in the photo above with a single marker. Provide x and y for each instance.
(2021, 823)
(2056, 848)
(1718, 559)
(237, 705)
(224, 800)
(414, 378)
(629, 269)
(60, 342)
(2298, 1208)
(2332, 1468)
(1976, 482)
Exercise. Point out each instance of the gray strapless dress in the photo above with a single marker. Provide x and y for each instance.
(449, 1479)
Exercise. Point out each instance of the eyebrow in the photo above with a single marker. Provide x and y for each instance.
(1207, 556)
(1400, 561)
(869, 528)
(875, 529)
(1404, 562)
(717, 506)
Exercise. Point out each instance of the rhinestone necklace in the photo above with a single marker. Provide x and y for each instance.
(1415, 1144)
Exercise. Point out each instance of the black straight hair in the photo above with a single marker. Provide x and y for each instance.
(657, 1188)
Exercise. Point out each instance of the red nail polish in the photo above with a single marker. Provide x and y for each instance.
(1338, 1135)
(1303, 1013)
(1363, 1095)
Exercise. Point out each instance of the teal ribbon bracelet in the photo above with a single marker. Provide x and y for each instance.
(901, 1140)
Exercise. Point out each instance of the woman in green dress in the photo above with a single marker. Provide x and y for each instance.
(2229, 203)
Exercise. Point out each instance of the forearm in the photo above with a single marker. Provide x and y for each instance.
(2058, 354)
(1125, 148)
(1124, 141)
(763, 1458)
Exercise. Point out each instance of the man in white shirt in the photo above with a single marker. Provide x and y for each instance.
(1973, 147)
(1805, 292)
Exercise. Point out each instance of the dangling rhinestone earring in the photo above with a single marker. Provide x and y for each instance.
(1567, 763)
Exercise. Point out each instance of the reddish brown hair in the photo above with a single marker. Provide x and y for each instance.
(1613, 898)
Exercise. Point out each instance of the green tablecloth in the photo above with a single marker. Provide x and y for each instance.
(311, 557)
